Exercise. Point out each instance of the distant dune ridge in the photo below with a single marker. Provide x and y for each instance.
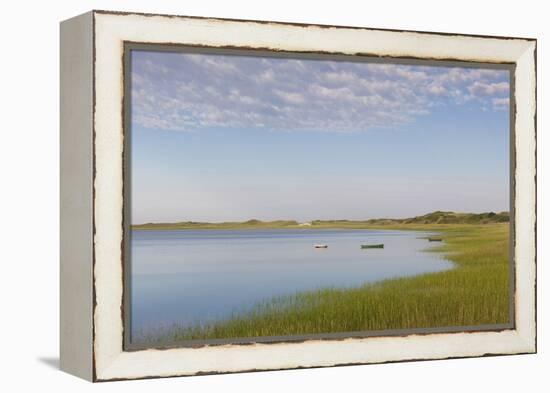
(437, 217)
(440, 217)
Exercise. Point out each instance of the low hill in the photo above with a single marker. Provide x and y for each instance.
(440, 217)
(437, 217)
(250, 224)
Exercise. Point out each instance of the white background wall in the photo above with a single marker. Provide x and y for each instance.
(29, 195)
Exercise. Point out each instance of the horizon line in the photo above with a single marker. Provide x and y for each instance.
(317, 219)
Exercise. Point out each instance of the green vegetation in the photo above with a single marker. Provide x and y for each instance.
(475, 292)
(250, 224)
(437, 217)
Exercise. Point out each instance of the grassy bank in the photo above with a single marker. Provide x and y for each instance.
(474, 292)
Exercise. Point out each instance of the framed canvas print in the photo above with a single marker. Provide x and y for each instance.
(246, 195)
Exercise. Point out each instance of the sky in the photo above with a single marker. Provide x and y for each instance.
(230, 138)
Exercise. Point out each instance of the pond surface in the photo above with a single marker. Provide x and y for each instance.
(190, 276)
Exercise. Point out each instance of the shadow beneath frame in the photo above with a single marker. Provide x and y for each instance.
(52, 362)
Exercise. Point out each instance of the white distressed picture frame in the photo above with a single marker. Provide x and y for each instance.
(92, 152)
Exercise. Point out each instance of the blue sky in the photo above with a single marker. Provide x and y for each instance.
(230, 138)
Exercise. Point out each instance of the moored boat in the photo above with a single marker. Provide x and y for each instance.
(363, 246)
(435, 239)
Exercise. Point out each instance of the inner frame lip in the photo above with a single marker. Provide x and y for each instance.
(260, 52)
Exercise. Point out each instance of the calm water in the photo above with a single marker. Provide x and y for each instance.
(188, 276)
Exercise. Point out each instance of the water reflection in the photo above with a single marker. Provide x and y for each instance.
(188, 276)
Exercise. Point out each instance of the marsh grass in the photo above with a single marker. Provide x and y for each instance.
(475, 292)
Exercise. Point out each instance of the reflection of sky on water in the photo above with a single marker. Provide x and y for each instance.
(190, 276)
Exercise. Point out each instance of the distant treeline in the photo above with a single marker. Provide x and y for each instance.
(438, 217)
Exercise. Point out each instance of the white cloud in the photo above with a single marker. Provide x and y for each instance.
(437, 89)
(290, 97)
(488, 89)
(500, 103)
(191, 91)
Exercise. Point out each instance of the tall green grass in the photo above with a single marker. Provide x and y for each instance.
(475, 292)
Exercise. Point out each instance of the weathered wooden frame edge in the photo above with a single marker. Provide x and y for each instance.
(94, 350)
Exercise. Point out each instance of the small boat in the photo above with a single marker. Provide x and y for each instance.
(435, 239)
(363, 246)
(320, 246)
